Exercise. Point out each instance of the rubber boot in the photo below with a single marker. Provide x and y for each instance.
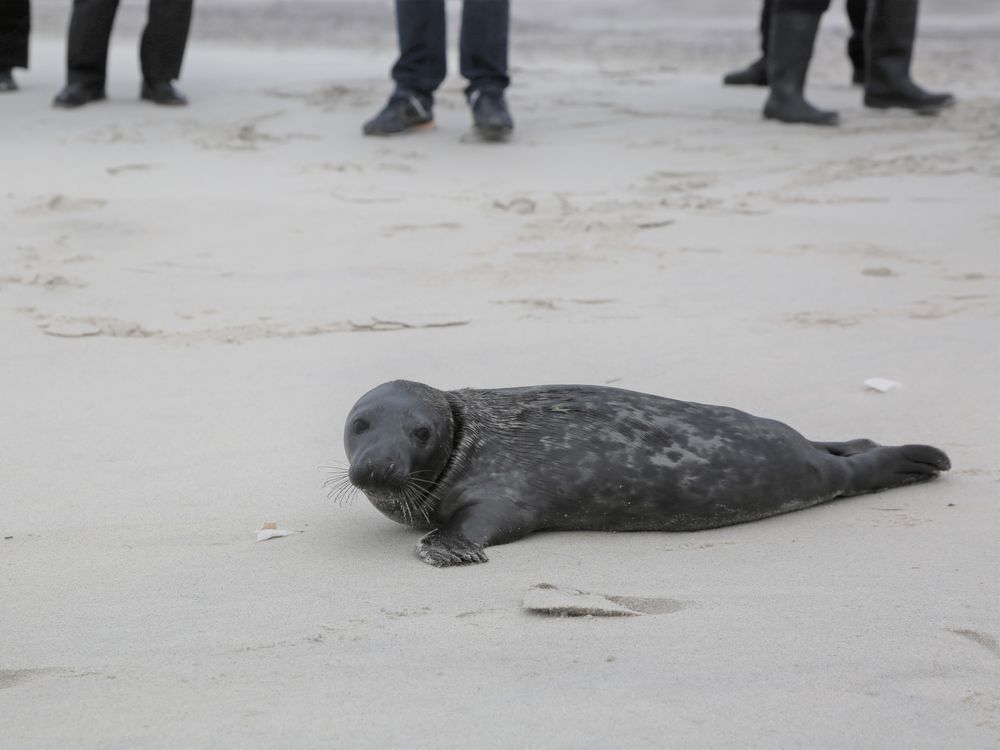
(857, 13)
(793, 33)
(891, 30)
(754, 74)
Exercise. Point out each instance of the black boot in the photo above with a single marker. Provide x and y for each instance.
(754, 74)
(792, 36)
(856, 53)
(7, 82)
(76, 94)
(857, 12)
(162, 92)
(892, 27)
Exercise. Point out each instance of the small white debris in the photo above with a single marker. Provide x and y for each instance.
(881, 384)
(270, 530)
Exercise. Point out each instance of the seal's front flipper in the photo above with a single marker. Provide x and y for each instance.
(443, 548)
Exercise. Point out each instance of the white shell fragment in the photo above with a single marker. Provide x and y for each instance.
(881, 384)
(270, 530)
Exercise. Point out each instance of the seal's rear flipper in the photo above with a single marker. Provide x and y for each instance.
(848, 448)
(893, 466)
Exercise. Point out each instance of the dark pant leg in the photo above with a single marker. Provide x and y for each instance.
(765, 26)
(857, 10)
(483, 44)
(802, 6)
(15, 23)
(422, 64)
(89, 34)
(164, 39)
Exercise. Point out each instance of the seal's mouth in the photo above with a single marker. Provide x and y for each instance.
(376, 476)
(406, 498)
(408, 505)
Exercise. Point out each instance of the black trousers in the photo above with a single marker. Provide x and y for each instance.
(856, 11)
(15, 23)
(161, 50)
(422, 63)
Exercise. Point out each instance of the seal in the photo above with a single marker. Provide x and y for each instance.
(486, 467)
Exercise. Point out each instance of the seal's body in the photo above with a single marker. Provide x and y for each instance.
(482, 467)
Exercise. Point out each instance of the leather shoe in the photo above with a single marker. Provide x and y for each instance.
(76, 94)
(490, 115)
(162, 92)
(405, 110)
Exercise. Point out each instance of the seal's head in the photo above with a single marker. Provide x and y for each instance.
(398, 438)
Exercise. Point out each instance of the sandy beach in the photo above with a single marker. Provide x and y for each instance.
(192, 299)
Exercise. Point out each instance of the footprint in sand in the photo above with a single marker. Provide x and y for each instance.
(398, 228)
(124, 168)
(60, 203)
(516, 206)
(882, 271)
(44, 280)
(983, 639)
(546, 599)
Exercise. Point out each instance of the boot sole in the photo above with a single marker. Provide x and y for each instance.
(758, 83)
(74, 105)
(493, 134)
(920, 109)
(826, 122)
(412, 128)
(166, 102)
(744, 82)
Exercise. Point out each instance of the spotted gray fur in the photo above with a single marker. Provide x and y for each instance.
(499, 464)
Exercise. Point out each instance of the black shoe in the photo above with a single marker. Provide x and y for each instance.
(7, 82)
(490, 116)
(162, 92)
(793, 34)
(892, 28)
(76, 94)
(404, 111)
(911, 97)
(754, 74)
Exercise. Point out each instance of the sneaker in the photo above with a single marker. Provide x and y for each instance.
(490, 115)
(404, 111)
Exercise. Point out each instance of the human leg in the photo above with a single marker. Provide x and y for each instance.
(755, 74)
(890, 34)
(793, 35)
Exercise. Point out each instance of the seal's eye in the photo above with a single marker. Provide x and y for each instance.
(422, 434)
(360, 426)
